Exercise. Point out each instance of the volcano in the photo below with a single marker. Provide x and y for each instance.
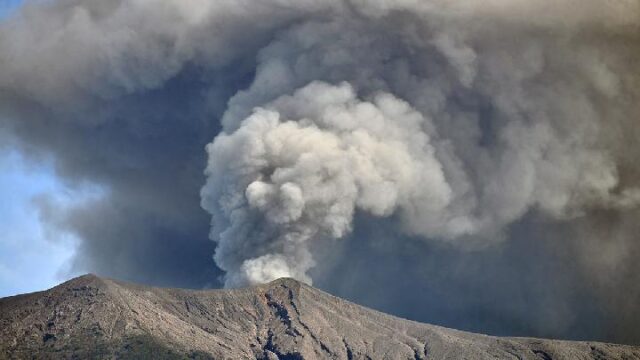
(93, 317)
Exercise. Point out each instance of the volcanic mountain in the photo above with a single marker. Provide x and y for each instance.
(92, 317)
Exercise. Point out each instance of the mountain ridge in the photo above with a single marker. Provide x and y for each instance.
(94, 317)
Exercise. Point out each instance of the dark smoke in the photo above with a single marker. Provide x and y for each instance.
(471, 164)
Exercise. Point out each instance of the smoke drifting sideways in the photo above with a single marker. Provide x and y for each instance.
(480, 155)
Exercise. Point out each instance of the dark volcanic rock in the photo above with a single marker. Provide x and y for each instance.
(90, 317)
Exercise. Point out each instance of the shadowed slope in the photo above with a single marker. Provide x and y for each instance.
(100, 318)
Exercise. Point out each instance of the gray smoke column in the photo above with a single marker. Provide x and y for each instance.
(296, 170)
(431, 118)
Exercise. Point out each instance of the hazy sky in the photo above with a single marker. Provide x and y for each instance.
(479, 155)
(29, 259)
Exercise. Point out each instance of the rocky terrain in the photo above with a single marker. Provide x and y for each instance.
(92, 317)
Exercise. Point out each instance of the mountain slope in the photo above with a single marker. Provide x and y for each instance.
(91, 317)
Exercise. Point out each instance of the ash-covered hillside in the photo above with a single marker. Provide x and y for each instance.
(91, 317)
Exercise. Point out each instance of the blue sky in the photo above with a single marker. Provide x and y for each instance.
(31, 258)
(8, 6)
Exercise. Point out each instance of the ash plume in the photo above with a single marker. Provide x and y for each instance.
(478, 154)
(452, 134)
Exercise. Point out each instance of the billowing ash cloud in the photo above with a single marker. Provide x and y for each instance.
(453, 133)
(297, 170)
(480, 155)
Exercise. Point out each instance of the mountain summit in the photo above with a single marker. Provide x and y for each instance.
(92, 317)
